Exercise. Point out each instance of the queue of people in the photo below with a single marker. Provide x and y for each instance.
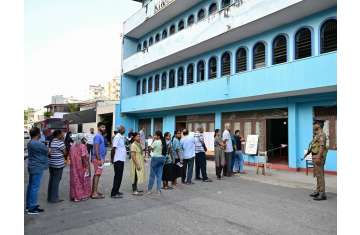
(171, 157)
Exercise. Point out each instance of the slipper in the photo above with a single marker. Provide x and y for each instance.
(97, 197)
(170, 188)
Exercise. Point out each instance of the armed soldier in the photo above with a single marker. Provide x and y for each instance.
(318, 150)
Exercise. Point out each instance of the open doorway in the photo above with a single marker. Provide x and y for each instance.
(276, 137)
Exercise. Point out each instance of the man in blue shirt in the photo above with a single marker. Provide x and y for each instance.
(37, 163)
(98, 159)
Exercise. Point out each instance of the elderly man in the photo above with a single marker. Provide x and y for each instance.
(228, 150)
(118, 155)
(200, 156)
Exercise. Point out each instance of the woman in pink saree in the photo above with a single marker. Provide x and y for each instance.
(80, 178)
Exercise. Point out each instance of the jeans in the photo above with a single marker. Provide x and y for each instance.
(118, 174)
(54, 181)
(233, 160)
(200, 165)
(156, 170)
(238, 162)
(188, 167)
(90, 150)
(32, 190)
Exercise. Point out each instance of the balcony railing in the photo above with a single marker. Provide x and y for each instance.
(306, 76)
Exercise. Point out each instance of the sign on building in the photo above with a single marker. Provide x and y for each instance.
(251, 145)
(161, 4)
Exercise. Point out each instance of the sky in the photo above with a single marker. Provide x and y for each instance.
(70, 45)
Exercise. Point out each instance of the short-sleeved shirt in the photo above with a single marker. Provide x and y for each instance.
(188, 146)
(176, 147)
(99, 139)
(38, 157)
(57, 148)
(119, 144)
(318, 141)
(227, 137)
(90, 138)
(199, 141)
(142, 139)
(156, 148)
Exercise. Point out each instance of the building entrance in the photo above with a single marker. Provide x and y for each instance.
(277, 140)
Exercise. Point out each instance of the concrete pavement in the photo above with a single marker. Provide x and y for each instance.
(246, 204)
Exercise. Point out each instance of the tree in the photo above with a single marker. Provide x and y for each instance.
(73, 107)
(48, 114)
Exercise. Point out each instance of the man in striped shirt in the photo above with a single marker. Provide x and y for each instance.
(200, 156)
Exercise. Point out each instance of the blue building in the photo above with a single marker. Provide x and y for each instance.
(267, 67)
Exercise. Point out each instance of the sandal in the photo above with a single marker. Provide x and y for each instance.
(97, 197)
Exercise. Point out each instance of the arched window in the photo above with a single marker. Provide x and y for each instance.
(225, 64)
(139, 47)
(172, 29)
(180, 76)
(329, 36)
(225, 3)
(212, 68)
(157, 38)
(200, 71)
(279, 50)
(163, 81)
(241, 60)
(150, 84)
(303, 43)
(164, 34)
(157, 82)
(138, 88)
(172, 79)
(144, 86)
(191, 20)
(259, 55)
(212, 8)
(190, 74)
(145, 45)
(201, 14)
(151, 41)
(181, 25)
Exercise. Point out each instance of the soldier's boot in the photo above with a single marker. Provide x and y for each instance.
(314, 194)
(320, 197)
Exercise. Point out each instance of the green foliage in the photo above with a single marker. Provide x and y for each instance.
(48, 114)
(73, 107)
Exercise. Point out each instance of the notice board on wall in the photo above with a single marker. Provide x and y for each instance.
(251, 145)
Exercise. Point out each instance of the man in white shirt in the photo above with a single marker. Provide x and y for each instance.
(228, 150)
(90, 141)
(119, 157)
(142, 138)
(188, 145)
(200, 155)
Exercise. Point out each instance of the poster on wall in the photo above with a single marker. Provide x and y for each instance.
(251, 145)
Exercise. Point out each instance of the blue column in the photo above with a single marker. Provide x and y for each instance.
(152, 126)
(218, 120)
(169, 123)
(292, 134)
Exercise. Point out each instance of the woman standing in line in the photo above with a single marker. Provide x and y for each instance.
(219, 153)
(158, 152)
(137, 166)
(168, 172)
(177, 150)
(56, 165)
(80, 178)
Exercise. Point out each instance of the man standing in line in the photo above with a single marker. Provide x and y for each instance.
(98, 159)
(318, 150)
(37, 163)
(90, 140)
(118, 161)
(239, 159)
(228, 150)
(188, 145)
(200, 156)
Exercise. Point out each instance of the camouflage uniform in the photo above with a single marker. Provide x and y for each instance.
(319, 140)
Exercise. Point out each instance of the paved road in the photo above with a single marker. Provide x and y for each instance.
(230, 206)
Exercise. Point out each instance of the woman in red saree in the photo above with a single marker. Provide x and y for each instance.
(80, 178)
